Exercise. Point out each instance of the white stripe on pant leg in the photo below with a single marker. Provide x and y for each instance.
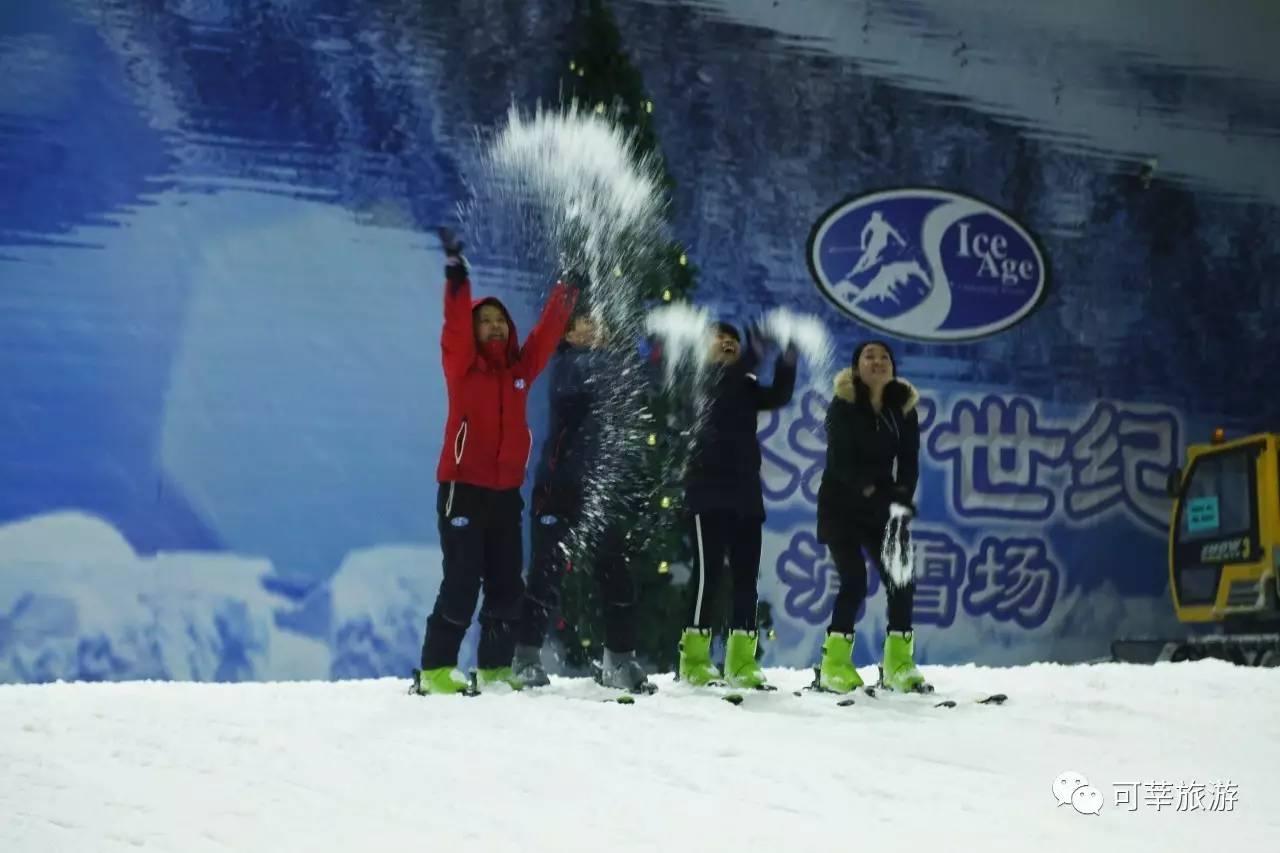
(448, 505)
(702, 570)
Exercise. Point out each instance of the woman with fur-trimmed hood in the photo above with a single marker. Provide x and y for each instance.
(873, 449)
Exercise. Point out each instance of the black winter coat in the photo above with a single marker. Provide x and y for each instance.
(724, 471)
(572, 441)
(863, 450)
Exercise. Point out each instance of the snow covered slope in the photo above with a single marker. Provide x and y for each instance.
(361, 765)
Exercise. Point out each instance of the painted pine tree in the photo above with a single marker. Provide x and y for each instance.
(597, 75)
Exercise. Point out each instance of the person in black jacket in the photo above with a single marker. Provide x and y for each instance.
(572, 446)
(866, 496)
(723, 497)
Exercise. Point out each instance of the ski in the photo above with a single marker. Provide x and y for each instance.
(619, 697)
(944, 702)
(874, 692)
(844, 701)
(990, 699)
(712, 689)
(628, 697)
(815, 686)
(735, 695)
(722, 690)
(647, 688)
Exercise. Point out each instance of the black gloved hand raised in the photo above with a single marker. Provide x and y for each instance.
(760, 342)
(756, 344)
(575, 277)
(790, 354)
(456, 269)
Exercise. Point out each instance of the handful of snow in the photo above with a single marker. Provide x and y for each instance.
(582, 166)
(568, 190)
(806, 331)
(896, 555)
(685, 331)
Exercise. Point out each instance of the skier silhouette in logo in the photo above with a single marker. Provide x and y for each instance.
(874, 240)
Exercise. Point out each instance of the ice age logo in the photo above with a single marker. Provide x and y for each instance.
(927, 264)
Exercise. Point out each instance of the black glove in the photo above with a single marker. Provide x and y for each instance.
(456, 269)
(898, 497)
(790, 355)
(579, 281)
(758, 343)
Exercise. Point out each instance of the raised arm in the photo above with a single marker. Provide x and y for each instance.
(541, 343)
(784, 383)
(574, 372)
(458, 339)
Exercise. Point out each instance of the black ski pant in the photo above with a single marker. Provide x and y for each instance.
(483, 546)
(608, 563)
(851, 563)
(718, 534)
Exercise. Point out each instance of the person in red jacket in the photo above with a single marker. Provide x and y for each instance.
(482, 466)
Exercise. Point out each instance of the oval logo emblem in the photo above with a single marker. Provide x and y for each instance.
(927, 264)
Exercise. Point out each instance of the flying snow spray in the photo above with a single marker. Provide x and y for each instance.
(566, 194)
(896, 554)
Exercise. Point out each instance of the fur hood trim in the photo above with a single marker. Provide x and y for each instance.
(847, 391)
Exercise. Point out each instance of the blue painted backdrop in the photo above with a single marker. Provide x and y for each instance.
(219, 300)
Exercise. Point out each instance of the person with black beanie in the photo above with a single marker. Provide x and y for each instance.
(724, 499)
(873, 449)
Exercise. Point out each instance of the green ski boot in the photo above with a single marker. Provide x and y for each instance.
(899, 670)
(695, 658)
(740, 667)
(443, 680)
(837, 673)
(498, 676)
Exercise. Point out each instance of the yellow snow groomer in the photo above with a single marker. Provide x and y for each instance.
(1224, 554)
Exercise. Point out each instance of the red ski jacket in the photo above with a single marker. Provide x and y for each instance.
(486, 437)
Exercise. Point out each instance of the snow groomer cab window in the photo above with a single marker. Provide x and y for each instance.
(1217, 521)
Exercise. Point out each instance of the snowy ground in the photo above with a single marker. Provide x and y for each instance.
(361, 765)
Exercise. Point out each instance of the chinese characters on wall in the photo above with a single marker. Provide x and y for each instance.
(1017, 476)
